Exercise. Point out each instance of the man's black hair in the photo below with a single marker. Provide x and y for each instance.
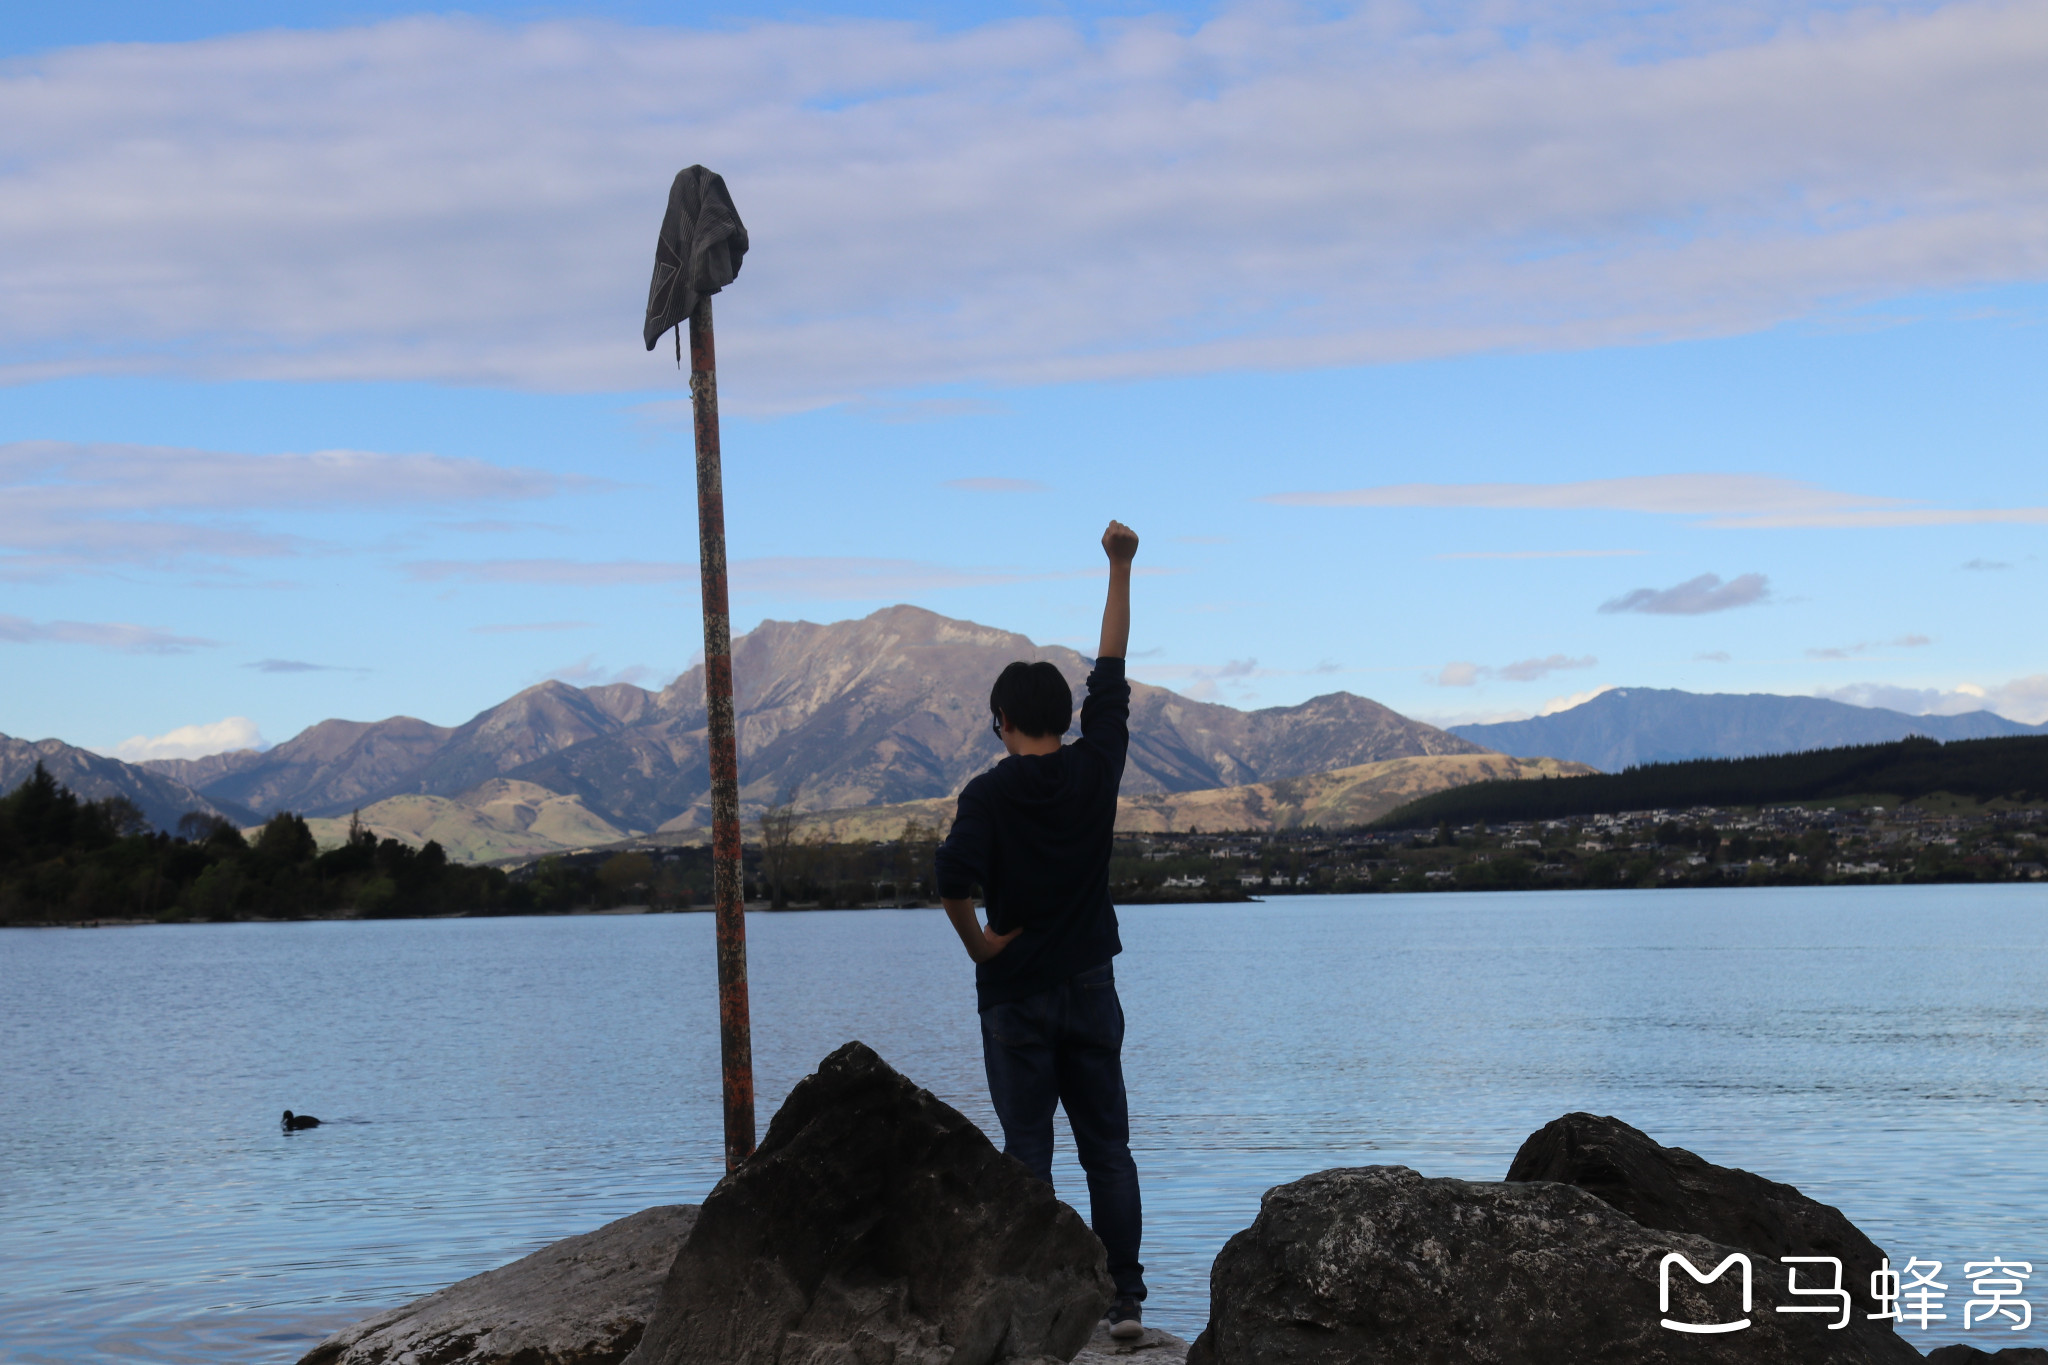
(1034, 698)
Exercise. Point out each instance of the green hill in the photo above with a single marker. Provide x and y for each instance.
(2012, 770)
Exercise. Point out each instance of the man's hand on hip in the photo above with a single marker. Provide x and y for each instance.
(981, 944)
(991, 944)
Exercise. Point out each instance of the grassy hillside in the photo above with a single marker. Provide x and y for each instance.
(500, 819)
(1338, 799)
(2011, 770)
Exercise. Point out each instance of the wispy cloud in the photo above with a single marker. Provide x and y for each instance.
(1493, 716)
(1718, 656)
(193, 741)
(115, 635)
(1540, 554)
(1695, 596)
(72, 508)
(1865, 646)
(900, 411)
(570, 573)
(825, 577)
(2021, 699)
(1722, 501)
(526, 627)
(588, 672)
(1529, 670)
(1418, 186)
(1463, 673)
(1209, 683)
(300, 666)
(1986, 565)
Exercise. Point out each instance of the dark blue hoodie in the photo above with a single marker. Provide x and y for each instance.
(1034, 832)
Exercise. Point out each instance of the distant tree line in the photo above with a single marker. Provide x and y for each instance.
(64, 859)
(2013, 769)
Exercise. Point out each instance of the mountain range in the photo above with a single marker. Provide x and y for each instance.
(163, 799)
(1627, 726)
(890, 710)
(886, 709)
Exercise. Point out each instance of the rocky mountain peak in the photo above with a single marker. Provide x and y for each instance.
(888, 708)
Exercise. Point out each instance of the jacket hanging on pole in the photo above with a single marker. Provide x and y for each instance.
(698, 252)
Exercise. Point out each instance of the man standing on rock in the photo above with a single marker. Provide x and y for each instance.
(1034, 833)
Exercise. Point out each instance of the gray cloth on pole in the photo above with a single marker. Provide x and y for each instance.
(699, 251)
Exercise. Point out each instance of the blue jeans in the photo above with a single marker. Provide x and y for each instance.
(1065, 1047)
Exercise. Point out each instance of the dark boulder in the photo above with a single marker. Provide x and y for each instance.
(580, 1301)
(1960, 1354)
(1672, 1189)
(876, 1224)
(1380, 1266)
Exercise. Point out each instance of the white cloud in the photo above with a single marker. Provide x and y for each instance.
(832, 577)
(300, 666)
(1695, 596)
(1722, 501)
(588, 672)
(1865, 646)
(193, 741)
(1462, 673)
(1208, 682)
(1529, 670)
(1446, 720)
(68, 508)
(1023, 201)
(116, 635)
(554, 572)
(1457, 673)
(2021, 699)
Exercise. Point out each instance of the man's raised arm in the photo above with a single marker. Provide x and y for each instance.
(1120, 543)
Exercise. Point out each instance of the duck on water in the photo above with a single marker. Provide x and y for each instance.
(294, 1122)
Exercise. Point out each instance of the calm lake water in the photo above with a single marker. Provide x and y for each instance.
(488, 1086)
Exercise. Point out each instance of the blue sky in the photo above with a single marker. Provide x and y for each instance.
(1470, 359)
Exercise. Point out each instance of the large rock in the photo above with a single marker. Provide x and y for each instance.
(1672, 1189)
(1380, 1266)
(1153, 1348)
(877, 1226)
(580, 1301)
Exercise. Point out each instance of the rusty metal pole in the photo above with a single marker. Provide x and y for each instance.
(735, 1032)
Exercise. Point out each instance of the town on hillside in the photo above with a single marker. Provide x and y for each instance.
(65, 860)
